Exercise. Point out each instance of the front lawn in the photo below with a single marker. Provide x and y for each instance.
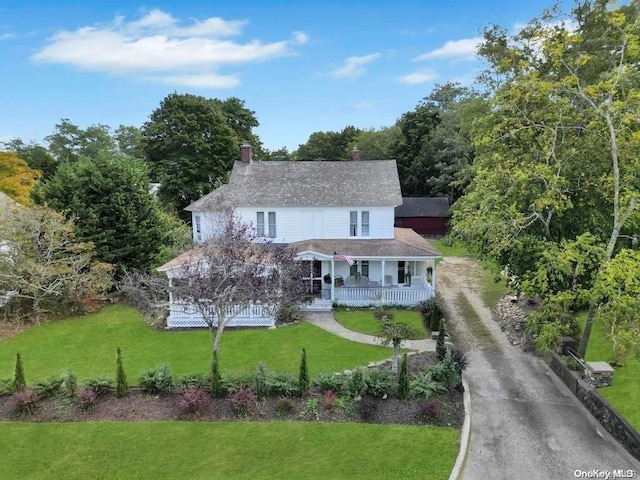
(252, 450)
(87, 345)
(363, 321)
(625, 391)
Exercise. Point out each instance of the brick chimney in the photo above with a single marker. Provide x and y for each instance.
(355, 154)
(246, 153)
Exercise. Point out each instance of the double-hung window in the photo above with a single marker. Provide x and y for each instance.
(266, 229)
(363, 231)
(198, 228)
(353, 224)
(364, 224)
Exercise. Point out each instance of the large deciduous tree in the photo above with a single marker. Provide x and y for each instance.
(110, 201)
(190, 146)
(557, 151)
(44, 268)
(17, 179)
(328, 146)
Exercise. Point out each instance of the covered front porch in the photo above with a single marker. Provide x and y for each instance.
(399, 271)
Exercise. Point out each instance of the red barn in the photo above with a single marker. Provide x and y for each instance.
(426, 215)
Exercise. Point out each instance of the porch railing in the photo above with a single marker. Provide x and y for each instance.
(185, 315)
(360, 296)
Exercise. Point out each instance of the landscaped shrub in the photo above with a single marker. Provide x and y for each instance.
(157, 380)
(382, 314)
(192, 399)
(380, 383)
(285, 407)
(356, 386)
(70, 385)
(287, 314)
(122, 388)
(440, 348)
(100, 385)
(244, 401)
(329, 400)
(231, 382)
(329, 381)
(25, 402)
(19, 383)
(572, 363)
(311, 406)
(304, 382)
(6, 387)
(431, 409)
(403, 379)
(423, 385)
(87, 398)
(49, 387)
(445, 371)
(367, 408)
(460, 358)
(283, 384)
(261, 380)
(192, 380)
(431, 314)
(217, 389)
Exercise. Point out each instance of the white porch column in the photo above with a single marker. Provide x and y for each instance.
(170, 294)
(382, 282)
(333, 280)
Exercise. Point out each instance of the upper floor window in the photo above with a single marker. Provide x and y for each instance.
(268, 229)
(364, 224)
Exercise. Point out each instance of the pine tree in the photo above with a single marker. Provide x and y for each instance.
(216, 382)
(440, 348)
(303, 379)
(403, 378)
(122, 388)
(19, 383)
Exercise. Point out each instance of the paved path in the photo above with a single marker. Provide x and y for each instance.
(326, 321)
(524, 422)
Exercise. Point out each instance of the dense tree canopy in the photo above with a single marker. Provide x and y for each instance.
(328, 146)
(16, 178)
(190, 144)
(556, 154)
(110, 201)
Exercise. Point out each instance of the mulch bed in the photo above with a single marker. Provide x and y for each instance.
(138, 406)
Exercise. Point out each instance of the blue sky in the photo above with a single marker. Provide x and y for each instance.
(301, 66)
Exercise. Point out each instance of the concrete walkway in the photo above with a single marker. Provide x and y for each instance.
(326, 321)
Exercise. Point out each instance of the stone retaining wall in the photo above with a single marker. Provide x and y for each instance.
(608, 417)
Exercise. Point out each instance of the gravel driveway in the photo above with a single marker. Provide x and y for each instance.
(524, 422)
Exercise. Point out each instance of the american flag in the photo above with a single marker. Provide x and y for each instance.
(339, 256)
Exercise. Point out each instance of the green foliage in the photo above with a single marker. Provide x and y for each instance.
(217, 389)
(190, 145)
(431, 314)
(425, 386)
(99, 385)
(304, 382)
(446, 371)
(113, 208)
(49, 387)
(193, 380)
(440, 347)
(553, 321)
(329, 381)
(122, 388)
(328, 146)
(356, 385)
(283, 384)
(6, 386)
(403, 379)
(380, 383)
(70, 384)
(19, 383)
(157, 380)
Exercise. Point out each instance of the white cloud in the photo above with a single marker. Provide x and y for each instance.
(416, 78)
(464, 49)
(6, 36)
(156, 47)
(353, 67)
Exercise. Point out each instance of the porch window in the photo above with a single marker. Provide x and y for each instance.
(364, 268)
(364, 228)
(272, 224)
(353, 269)
(353, 224)
(401, 270)
(260, 224)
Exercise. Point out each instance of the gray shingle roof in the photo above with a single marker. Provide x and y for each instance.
(423, 207)
(307, 184)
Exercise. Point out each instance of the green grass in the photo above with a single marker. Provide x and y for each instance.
(625, 391)
(87, 345)
(363, 321)
(451, 249)
(221, 450)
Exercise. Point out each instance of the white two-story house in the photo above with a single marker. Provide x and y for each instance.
(338, 216)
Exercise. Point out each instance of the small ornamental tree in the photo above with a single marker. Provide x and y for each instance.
(19, 383)
(304, 382)
(392, 334)
(122, 388)
(440, 348)
(216, 382)
(403, 378)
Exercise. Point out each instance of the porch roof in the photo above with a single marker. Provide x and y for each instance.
(406, 243)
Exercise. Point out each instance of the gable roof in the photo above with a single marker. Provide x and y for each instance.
(307, 184)
(423, 207)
